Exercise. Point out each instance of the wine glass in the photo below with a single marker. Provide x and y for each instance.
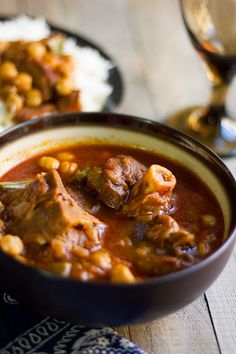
(211, 25)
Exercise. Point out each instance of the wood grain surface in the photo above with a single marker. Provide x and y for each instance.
(162, 73)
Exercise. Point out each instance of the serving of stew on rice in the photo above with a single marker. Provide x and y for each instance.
(99, 212)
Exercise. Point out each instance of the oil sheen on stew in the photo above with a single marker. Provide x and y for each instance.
(97, 212)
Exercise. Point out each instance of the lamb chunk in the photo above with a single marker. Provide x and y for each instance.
(14, 51)
(162, 228)
(171, 246)
(70, 103)
(84, 200)
(166, 233)
(113, 180)
(45, 208)
(158, 265)
(152, 195)
(27, 113)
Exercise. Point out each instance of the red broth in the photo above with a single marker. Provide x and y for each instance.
(124, 242)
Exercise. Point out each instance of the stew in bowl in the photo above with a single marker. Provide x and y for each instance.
(105, 216)
(107, 212)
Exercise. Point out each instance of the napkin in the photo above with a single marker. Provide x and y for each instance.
(22, 332)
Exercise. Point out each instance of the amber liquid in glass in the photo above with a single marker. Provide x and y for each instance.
(222, 66)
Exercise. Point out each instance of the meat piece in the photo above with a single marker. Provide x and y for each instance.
(161, 229)
(70, 103)
(168, 247)
(166, 233)
(45, 208)
(158, 265)
(113, 180)
(84, 200)
(27, 113)
(152, 195)
(14, 51)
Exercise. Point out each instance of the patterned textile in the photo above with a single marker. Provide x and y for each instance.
(23, 332)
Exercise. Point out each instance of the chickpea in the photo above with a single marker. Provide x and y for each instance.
(85, 275)
(96, 270)
(22, 259)
(64, 68)
(2, 226)
(49, 163)
(14, 102)
(40, 240)
(208, 220)
(1, 206)
(34, 98)
(6, 90)
(67, 59)
(8, 71)
(64, 86)
(59, 249)
(36, 51)
(102, 259)
(122, 274)
(143, 251)
(23, 82)
(51, 60)
(80, 251)
(12, 245)
(127, 241)
(60, 268)
(68, 168)
(202, 248)
(65, 156)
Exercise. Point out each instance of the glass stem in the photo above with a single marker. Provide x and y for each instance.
(218, 96)
(217, 104)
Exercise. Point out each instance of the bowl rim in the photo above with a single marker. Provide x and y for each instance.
(142, 125)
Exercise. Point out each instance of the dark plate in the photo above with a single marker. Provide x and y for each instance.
(114, 79)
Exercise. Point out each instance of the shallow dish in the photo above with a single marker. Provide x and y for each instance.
(102, 303)
(113, 81)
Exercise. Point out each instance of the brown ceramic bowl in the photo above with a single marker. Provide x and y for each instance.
(103, 303)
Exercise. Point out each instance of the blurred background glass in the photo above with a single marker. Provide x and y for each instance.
(211, 26)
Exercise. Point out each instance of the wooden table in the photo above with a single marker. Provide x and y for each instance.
(162, 73)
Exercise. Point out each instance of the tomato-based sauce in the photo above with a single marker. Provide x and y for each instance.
(148, 221)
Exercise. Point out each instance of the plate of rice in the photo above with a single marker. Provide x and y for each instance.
(45, 69)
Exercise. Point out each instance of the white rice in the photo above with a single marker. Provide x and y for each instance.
(23, 27)
(91, 69)
(90, 75)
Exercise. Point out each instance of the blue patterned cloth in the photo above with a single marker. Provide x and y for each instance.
(23, 332)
